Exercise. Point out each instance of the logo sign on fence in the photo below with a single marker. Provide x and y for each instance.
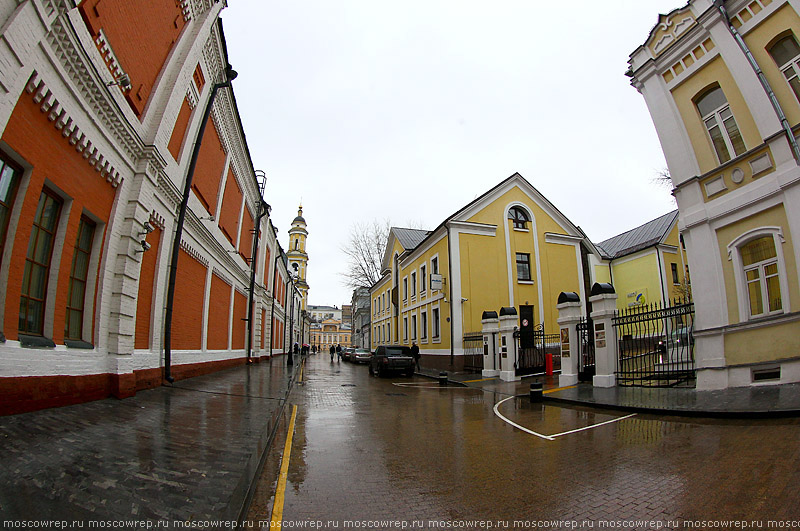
(565, 342)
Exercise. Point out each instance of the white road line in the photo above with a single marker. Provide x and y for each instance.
(526, 430)
(432, 386)
(593, 426)
(553, 437)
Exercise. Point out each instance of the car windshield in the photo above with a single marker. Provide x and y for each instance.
(362, 351)
(397, 352)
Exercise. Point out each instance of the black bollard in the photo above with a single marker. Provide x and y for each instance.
(442, 378)
(536, 392)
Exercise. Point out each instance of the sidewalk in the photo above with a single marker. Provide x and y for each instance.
(736, 402)
(189, 452)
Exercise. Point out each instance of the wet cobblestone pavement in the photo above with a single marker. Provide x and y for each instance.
(376, 453)
(184, 453)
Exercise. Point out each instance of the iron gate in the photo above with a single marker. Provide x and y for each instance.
(586, 364)
(473, 351)
(655, 345)
(530, 355)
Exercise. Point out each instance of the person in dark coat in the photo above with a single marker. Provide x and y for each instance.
(333, 351)
(415, 354)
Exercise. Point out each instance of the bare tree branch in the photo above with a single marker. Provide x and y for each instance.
(364, 250)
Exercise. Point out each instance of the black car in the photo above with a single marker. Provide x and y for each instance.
(389, 358)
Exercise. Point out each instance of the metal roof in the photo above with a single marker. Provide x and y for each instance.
(642, 237)
(410, 238)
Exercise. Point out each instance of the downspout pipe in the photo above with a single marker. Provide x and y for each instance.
(450, 290)
(230, 75)
(263, 209)
(787, 129)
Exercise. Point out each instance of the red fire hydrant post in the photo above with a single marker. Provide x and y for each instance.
(548, 367)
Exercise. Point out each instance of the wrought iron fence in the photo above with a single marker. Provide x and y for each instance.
(473, 351)
(586, 364)
(655, 345)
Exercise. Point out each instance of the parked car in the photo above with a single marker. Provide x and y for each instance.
(389, 358)
(677, 345)
(361, 355)
(347, 353)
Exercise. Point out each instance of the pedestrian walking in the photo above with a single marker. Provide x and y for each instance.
(333, 351)
(415, 354)
(339, 352)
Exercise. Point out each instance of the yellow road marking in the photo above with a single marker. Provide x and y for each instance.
(481, 380)
(302, 366)
(559, 389)
(280, 492)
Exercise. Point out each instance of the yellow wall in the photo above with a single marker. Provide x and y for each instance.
(484, 262)
(772, 217)
(637, 275)
(602, 273)
(783, 20)
(770, 343)
(716, 71)
(426, 301)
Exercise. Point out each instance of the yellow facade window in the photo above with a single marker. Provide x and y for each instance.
(721, 125)
(760, 262)
(786, 54)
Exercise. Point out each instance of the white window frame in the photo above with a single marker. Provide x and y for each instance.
(423, 326)
(742, 293)
(423, 269)
(414, 327)
(720, 123)
(792, 63)
(405, 289)
(405, 329)
(436, 323)
(413, 285)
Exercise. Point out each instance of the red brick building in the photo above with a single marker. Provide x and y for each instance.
(100, 105)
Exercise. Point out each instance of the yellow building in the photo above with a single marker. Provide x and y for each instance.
(508, 248)
(646, 265)
(297, 254)
(330, 332)
(721, 83)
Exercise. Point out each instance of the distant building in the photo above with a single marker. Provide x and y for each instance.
(329, 332)
(647, 264)
(720, 80)
(320, 313)
(360, 305)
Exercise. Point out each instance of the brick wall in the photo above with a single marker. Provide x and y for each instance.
(231, 208)
(144, 300)
(187, 318)
(31, 135)
(210, 165)
(179, 131)
(218, 313)
(141, 35)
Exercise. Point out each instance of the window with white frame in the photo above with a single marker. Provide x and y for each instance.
(405, 329)
(413, 284)
(423, 279)
(523, 266)
(786, 54)
(760, 263)
(435, 323)
(414, 327)
(405, 288)
(721, 125)
(423, 321)
(435, 265)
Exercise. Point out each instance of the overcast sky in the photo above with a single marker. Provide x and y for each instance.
(407, 111)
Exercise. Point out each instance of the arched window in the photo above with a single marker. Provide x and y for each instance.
(721, 125)
(519, 216)
(786, 54)
(761, 279)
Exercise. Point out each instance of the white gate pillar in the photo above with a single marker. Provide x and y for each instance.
(508, 345)
(569, 315)
(491, 359)
(604, 305)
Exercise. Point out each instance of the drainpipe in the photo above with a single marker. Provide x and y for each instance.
(787, 129)
(230, 75)
(263, 210)
(450, 290)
